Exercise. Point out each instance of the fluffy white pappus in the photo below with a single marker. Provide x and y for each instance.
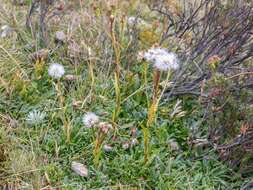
(5, 31)
(108, 148)
(125, 145)
(79, 169)
(162, 59)
(131, 21)
(134, 142)
(90, 119)
(35, 117)
(56, 70)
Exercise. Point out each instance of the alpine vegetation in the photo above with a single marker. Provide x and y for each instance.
(56, 70)
(120, 94)
(35, 117)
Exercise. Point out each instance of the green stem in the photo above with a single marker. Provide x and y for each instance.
(116, 49)
(118, 98)
(63, 110)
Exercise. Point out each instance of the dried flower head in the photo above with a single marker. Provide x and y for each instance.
(56, 70)
(177, 111)
(79, 169)
(35, 117)
(214, 59)
(39, 55)
(126, 145)
(134, 132)
(173, 145)
(71, 77)
(60, 36)
(105, 127)
(90, 119)
(162, 59)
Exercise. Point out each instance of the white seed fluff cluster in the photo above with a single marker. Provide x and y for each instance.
(56, 70)
(131, 21)
(162, 59)
(35, 117)
(5, 31)
(108, 148)
(79, 169)
(90, 119)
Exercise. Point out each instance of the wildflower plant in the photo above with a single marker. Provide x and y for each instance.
(102, 132)
(117, 52)
(57, 71)
(163, 61)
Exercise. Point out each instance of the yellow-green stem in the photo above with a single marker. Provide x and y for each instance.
(96, 152)
(91, 72)
(60, 96)
(97, 147)
(146, 138)
(116, 49)
(118, 98)
(153, 105)
(153, 109)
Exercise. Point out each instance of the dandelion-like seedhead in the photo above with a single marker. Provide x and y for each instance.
(56, 70)
(107, 148)
(134, 142)
(90, 119)
(162, 59)
(5, 31)
(131, 21)
(35, 117)
(125, 145)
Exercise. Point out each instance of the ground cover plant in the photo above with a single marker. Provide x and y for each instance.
(125, 94)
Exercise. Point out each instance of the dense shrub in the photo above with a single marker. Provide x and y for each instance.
(215, 39)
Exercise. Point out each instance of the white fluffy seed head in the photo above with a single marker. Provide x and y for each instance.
(108, 148)
(140, 23)
(134, 142)
(79, 169)
(5, 31)
(35, 117)
(56, 70)
(162, 59)
(132, 20)
(125, 145)
(90, 119)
